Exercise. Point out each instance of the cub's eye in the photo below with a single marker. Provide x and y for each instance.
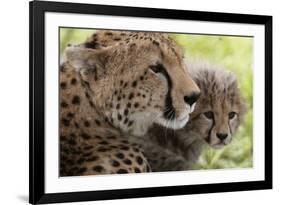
(209, 115)
(231, 115)
(156, 68)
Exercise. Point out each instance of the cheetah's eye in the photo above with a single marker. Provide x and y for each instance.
(209, 115)
(231, 115)
(158, 68)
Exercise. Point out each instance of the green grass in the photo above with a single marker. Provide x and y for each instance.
(235, 54)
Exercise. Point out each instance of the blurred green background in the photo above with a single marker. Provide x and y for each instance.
(235, 54)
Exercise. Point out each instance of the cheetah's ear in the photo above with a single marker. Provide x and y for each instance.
(85, 58)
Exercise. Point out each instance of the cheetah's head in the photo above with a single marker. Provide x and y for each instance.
(220, 109)
(138, 82)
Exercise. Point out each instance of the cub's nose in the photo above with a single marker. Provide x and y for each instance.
(222, 136)
(192, 98)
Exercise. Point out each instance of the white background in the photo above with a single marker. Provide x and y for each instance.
(54, 184)
(14, 100)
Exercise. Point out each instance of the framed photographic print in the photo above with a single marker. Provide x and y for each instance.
(140, 102)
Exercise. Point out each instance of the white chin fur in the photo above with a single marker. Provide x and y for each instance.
(179, 122)
(173, 124)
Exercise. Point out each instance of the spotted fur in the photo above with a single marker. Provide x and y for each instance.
(113, 88)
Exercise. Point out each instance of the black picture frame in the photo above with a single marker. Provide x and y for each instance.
(37, 192)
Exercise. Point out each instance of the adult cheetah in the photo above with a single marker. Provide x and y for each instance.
(113, 88)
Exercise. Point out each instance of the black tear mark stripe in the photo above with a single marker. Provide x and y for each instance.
(208, 139)
(169, 112)
(229, 127)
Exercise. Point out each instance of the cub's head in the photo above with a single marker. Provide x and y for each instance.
(220, 109)
(136, 79)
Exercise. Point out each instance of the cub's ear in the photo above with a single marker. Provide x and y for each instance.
(85, 58)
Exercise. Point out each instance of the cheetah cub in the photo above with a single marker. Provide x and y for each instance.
(217, 115)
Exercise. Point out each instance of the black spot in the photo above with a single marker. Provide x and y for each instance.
(123, 96)
(111, 105)
(139, 160)
(115, 163)
(70, 115)
(122, 171)
(108, 34)
(91, 44)
(137, 170)
(127, 161)
(87, 123)
(155, 43)
(131, 96)
(63, 85)
(115, 92)
(136, 105)
(93, 158)
(125, 85)
(103, 143)
(126, 111)
(134, 84)
(129, 105)
(76, 100)
(91, 103)
(124, 148)
(65, 122)
(119, 117)
(126, 120)
(62, 68)
(130, 123)
(85, 136)
(106, 119)
(141, 78)
(120, 155)
(97, 136)
(119, 98)
(136, 149)
(117, 39)
(63, 104)
(73, 81)
(98, 122)
(125, 141)
(138, 94)
(143, 95)
(98, 168)
(121, 82)
(102, 149)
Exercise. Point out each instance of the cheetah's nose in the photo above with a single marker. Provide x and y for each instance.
(192, 98)
(222, 136)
